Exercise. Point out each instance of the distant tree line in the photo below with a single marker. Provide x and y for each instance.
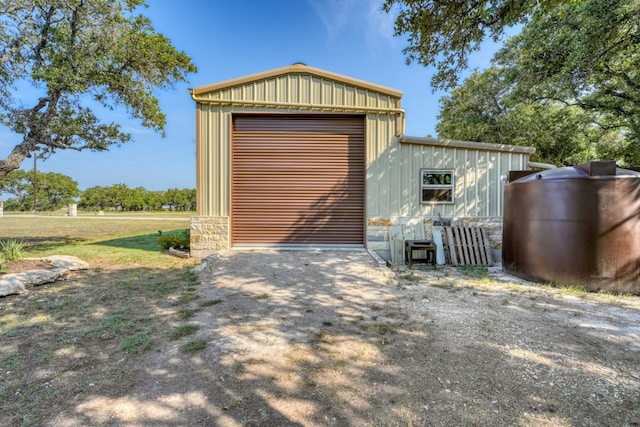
(54, 191)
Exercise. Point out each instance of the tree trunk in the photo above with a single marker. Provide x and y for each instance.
(14, 160)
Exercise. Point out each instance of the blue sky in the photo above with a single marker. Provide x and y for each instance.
(228, 39)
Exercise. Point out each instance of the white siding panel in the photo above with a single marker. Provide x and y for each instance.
(394, 187)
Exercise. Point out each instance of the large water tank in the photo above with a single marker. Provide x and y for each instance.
(575, 226)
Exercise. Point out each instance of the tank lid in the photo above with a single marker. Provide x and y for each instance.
(599, 169)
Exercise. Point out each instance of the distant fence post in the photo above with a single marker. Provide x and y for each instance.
(73, 209)
(1, 208)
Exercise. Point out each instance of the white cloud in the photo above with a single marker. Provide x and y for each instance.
(360, 18)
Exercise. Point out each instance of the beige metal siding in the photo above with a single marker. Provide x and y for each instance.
(393, 178)
(392, 168)
(305, 93)
(297, 179)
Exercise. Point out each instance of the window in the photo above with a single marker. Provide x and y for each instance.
(436, 186)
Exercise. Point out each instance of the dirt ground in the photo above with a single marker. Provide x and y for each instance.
(307, 338)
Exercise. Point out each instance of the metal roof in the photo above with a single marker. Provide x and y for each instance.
(295, 69)
(450, 143)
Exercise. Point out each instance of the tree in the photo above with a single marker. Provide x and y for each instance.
(93, 198)
(54, 190)
(443, 33)
(80, 56)
(567, 84)
(482, 109)
(19, 183)
(153, 200)
(121, 198)
(180, 199)
(584, 56)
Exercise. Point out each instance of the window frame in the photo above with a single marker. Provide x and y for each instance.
(424, 186)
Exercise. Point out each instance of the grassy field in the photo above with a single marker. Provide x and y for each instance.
(92, 329)
(97, 240)
(108, 214)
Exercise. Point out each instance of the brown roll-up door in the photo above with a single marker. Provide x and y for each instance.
(297, 179)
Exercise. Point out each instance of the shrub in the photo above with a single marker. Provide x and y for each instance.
(3, 268)
(12, 249)
(176, 241)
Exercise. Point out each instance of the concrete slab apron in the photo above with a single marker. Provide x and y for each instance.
(274, 299)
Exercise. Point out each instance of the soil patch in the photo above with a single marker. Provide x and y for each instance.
(23, 265)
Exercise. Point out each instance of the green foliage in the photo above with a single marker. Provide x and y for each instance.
(567, 85)
(116, 322)
(183, 331)
(77, 55)
(20, 184)
(584, 56)
(3, 268)
(183, 200)
(483, 109)
(181, 240)
(53, 190)
(138, 343)
(12, 249)
(475, 271)
(119, 197)
(443, 33)
(193, 346)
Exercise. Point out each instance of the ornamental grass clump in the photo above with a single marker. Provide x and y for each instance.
(12, 249)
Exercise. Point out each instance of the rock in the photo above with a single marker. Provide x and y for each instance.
(178, 253)
(40, 277)
(71, 263)
(11, 284)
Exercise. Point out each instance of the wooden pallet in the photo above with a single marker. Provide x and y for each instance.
(467, 246)
(398, 234)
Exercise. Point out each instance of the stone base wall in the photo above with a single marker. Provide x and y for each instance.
(378, 229)
(211, 234)
(208, 235)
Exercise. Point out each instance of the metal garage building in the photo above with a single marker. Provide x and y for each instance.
(300, 156)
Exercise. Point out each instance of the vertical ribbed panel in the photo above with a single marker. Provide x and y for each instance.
(297, 179)
(214, 125)
(393, 176)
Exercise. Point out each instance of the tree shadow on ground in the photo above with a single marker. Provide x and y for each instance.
(42, 244)
(143, 242)
(307, 338)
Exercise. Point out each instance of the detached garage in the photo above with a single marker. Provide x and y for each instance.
(302, 157)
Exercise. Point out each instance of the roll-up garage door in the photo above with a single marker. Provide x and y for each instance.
(297, 179)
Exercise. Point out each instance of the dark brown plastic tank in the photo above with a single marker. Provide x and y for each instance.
(575, 226)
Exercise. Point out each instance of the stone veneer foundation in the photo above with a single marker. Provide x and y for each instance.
(208, 235)
(378, 229)
(211, 234)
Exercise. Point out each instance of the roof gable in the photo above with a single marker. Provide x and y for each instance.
(299, 69)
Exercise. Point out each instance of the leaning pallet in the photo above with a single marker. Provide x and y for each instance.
(396, 241)
(467, 246)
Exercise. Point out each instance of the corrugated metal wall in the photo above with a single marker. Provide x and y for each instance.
(393, 168)
(318, 95)
(304, 89)
(393, 179)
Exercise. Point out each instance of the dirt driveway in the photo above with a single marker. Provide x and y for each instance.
(326, 338)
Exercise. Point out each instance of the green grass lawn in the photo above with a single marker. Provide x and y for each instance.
(100, 240)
